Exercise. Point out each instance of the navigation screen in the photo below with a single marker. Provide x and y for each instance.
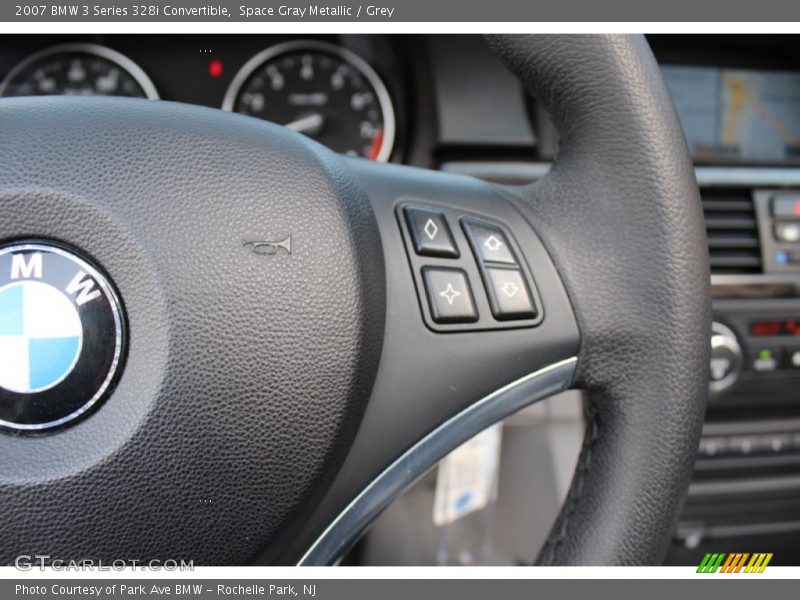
(736, 115)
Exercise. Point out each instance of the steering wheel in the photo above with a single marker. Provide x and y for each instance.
(303, 334)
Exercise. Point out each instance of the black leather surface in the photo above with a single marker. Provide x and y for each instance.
(621, 215)
(246, 374)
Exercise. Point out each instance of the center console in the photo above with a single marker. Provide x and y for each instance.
(746, 489)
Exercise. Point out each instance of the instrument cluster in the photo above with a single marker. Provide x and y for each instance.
(318, 87)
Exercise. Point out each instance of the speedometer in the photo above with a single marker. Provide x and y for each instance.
(78, 69)
(322, 90)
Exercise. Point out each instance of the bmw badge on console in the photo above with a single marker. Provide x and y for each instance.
(61, 336)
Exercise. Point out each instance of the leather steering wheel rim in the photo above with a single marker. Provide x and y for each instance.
(643, 307)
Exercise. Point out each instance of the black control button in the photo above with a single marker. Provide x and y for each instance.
(489, 243)
(722, 364)
(743, 444)
(449, 295)
(776, 442)
(787, 258)
(792, 358)
(765, 360)
(786, 206)
(430, 233)
(726, 358)
(509, 296)
(788, 231)
(713, 446)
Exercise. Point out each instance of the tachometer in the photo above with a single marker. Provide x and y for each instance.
(322, 90)
(78, 69)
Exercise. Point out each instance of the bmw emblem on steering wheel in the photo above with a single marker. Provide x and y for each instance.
(61, 336)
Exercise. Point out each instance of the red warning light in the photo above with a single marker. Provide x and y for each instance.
(215, 68)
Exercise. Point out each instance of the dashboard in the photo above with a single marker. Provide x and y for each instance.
(416, 99)
(327, 89)
(446, 102)
(401, 98)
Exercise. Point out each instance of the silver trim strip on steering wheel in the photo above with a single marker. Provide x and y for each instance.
(415, 462)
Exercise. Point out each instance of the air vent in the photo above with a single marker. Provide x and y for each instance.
(732, 230)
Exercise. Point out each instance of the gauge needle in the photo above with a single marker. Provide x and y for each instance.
(309, 125)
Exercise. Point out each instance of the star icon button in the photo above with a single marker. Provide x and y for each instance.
(450, 294)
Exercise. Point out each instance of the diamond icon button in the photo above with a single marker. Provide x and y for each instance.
(431, 229)
(430, 233)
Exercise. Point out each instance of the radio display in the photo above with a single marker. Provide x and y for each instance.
(780, 328)
(734, 115)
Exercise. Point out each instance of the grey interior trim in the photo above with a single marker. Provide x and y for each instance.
(747, 176)
(687, 530)
(744, 486)
(522, 171)
(498, 170)
(760, 278)
(755, 286)
(751, 427)
(411, 465)
(748, 461)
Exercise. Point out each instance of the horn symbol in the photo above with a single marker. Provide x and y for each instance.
(270, 248)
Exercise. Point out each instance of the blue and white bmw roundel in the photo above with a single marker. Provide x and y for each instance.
(61, 336)
(40, 336)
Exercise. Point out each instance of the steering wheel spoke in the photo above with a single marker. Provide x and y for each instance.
(510, 339)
